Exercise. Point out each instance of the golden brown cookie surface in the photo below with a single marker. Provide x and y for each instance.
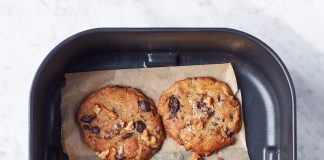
(201, 114)
(120, 123)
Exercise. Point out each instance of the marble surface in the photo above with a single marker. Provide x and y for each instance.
(30, 29)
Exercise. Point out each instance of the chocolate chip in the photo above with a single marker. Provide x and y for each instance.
(231, 117)
(87, 118)
(127, 135)
(140, 126)
(144, 105)
(95, 129)
(228, 132)
(85, 127)
(119, 157)
(174, 105)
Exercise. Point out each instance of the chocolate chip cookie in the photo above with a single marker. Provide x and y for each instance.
(200, 113)
(120, 123)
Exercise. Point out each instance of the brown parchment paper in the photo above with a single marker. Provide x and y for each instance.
(152, 81)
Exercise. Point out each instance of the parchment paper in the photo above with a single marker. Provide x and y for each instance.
(152, 81)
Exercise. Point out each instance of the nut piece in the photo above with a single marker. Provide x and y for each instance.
(149, 140)
(152, 141)
(188, 145)
(188, 128)
(129, 126)
(120, 150)
(112, 154)
(145, 136)
(195, 121)
(96, 109)
(209, 101)
(119, 124)
(103, 154)
(187, 136)
(200, 126)
(195, 157)
(227, 91)
(106, 114)
(198, 123)
(112, 115)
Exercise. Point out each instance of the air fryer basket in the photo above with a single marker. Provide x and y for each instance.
(267, 90)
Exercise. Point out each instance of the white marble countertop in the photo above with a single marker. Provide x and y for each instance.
(30, 29)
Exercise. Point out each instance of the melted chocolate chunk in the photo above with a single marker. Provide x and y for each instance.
(95, 129)
(174, 105)
(144, 105)
(231, 117)
(140, 126)
(87, 118)
(119, 157)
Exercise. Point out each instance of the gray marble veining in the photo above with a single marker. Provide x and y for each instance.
(30, 29)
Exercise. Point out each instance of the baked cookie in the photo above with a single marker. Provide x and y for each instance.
(201, 114)
(120, 123)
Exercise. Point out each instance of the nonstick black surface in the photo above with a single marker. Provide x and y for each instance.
(267, 90)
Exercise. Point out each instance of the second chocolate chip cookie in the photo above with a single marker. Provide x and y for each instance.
(200, 113)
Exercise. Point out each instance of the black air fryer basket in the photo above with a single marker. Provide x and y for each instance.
(267, 91)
